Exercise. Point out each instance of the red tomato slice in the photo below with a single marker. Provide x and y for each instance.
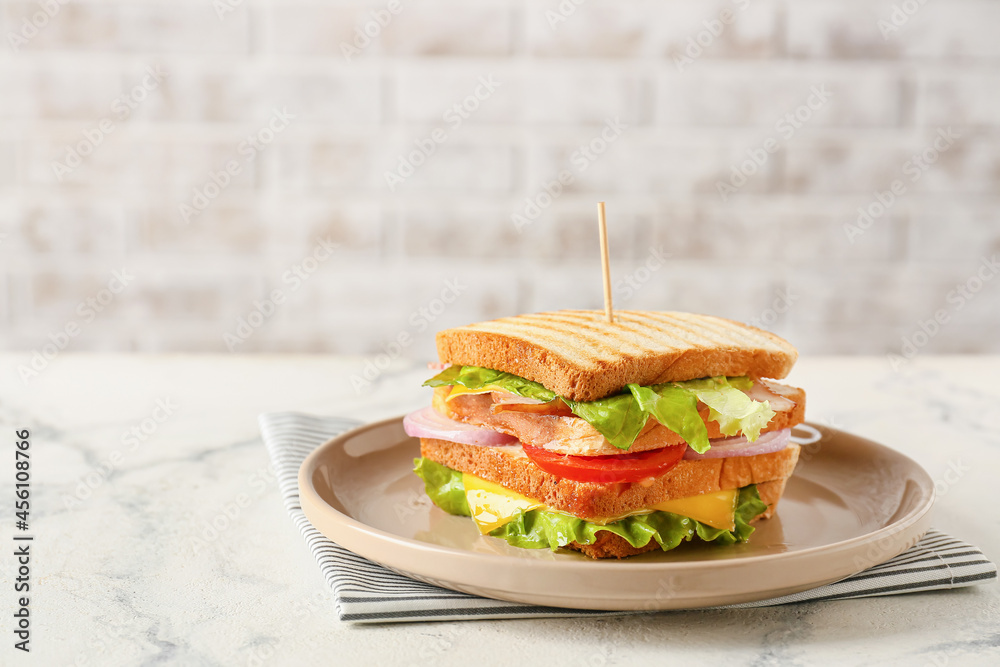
(607, 469)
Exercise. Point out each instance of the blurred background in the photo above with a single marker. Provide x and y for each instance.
(349, 177)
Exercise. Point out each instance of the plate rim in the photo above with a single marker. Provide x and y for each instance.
(355, 525)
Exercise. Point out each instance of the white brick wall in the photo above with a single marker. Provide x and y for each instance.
(687, 123)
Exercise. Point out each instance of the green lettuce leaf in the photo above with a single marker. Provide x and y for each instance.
(677, 409)
(540, 529)
(621, 418)
(748, 506)
(618, 418)
(443, 485)
(730, 407)
(544, 528)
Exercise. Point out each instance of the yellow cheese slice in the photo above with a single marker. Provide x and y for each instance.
(492, 505)
(439, 399)
(459, 390)
(717, 510)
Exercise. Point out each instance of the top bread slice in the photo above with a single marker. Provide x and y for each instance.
(580, 356)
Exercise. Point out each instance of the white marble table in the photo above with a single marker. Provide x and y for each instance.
(125, 571)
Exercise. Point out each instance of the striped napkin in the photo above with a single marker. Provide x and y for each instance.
(369, 593)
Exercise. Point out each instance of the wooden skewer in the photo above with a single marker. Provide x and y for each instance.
(605, 261)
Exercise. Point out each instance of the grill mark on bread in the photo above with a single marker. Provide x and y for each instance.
(726, 330)
(732, 327)
(636, 321)
(600, 336)
(723, 332)
(596, 340)
(614, 330)
(597, 337)
(694, 332)
(540, 333)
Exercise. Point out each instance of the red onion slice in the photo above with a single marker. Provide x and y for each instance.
(429, 423)
(774, 441)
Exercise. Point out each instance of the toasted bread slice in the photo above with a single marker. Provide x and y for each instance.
(512, 469)
(580, 356)
(609, 545)
(572, 435)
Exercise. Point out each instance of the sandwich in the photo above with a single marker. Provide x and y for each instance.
(562, 430)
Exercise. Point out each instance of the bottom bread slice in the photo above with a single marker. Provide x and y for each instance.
(609, 545)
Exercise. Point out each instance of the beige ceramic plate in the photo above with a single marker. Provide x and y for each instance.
(851, 504)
